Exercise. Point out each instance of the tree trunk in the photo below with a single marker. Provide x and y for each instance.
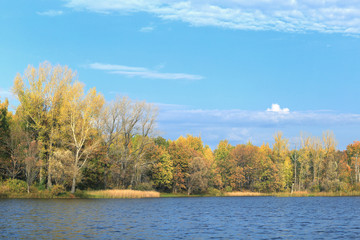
(73, 184)
(75, 172)
(74, 178)
(49, 183)
(105, 178)
(357, 175)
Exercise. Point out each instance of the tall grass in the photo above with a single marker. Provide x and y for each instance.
(318, 194)
(244, 194)
(294, 194)
(116, 193)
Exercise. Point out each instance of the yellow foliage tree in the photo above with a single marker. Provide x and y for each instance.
(78, 117)
(41, 93)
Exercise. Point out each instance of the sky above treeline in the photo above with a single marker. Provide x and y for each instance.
(231, 69)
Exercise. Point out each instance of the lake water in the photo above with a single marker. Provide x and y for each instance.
(182, 218)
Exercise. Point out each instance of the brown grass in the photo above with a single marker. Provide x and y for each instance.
(244, 194)
(117, 193)
(318, 194)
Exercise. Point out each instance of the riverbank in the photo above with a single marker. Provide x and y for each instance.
(116, 193)
(133, 194)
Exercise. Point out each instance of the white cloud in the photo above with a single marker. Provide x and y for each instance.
(333, 16)
(51, 13)
(276, 108)
(142, 72)
(146, 29)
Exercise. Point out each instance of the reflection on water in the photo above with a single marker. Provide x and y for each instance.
(182, 218)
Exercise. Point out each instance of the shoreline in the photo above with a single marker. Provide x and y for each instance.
(135, 194)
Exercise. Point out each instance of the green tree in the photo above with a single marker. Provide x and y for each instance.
(162, 172)
(222, 156)
(5, 150)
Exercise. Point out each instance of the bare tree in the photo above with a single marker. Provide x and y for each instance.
(198, 176)
(126, 128)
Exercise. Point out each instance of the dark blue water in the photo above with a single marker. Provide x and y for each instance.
(182, 218)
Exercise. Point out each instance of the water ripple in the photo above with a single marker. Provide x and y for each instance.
(181, 218)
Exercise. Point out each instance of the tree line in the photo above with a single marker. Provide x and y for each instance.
(60, 135)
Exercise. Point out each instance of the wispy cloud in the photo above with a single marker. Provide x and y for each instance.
(147, 29)
(142, 72)
(112, 67)
(261, 118)
(4, 93)
(240, 126)
(51, 13)
(335, 16)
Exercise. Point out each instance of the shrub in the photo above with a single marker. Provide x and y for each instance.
(34, 189)
(214, 192)
(80, 194)
(147, 186)
(15, 186)
(356, 187)
(228, 189)
(56, 190)
(40, 186)
(314, 187)
(331, 186)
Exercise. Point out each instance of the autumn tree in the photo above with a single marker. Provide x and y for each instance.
(245, 167)
(329, 164)
(127, 127)
(161, 142)
(267, 174)
(23, 151)
(41, 93)
(281, 158)
(162, 172)
(221, 157)
(214, 175)
(344, 171)
(62, 167)
(353, 152)
(78, 117)
(294, 156)
(198, 176)
(31, 162)
(7, 166)
(180, 154)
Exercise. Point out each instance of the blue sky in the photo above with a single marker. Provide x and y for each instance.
(229, 69)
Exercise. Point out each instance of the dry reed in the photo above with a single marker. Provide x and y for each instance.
(244, 194)
(318, 194)
(117, 193)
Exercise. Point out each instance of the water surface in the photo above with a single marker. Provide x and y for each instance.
(182, 218)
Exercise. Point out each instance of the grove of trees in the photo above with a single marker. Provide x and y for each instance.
(61, 135)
